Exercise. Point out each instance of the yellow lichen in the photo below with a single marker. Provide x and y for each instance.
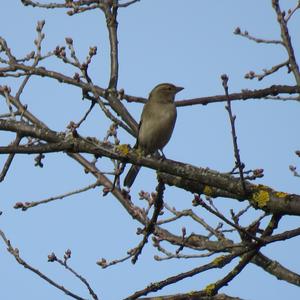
(281, 194)
(124, 149)
(207, 191)
(261, 197)
(218, 260)
(210, 289)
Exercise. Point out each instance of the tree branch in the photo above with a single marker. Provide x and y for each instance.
(259, 196)
(286, 39)
(15, 252)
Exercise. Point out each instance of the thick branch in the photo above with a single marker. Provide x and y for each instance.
(115, 103)
(199, 242)
(273, 90)
(275, 268)
(192, 296)
(259, 196)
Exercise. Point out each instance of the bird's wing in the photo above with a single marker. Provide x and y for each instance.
(141, 121)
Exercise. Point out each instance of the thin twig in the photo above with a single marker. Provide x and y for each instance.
(286, 39)
(170, 255)
(149, 228)
(232, 118)
(86, 114)
(216, 263)
(111, 13)
(38, 43)
(292, 11)
(246, 34)
(27, 205)
(10, 158)
(80, 277)
(195, 217)
(7, 91)
(222, 217)
(15, 252)
(104, 264)
(127, 3)
(266, 72)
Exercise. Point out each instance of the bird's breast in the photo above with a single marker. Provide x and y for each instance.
(157, 125)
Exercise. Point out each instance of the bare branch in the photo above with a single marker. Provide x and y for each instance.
(52, 258)
(128, 3)
(259, 196)
(41, 5)
(274, 90)
(104, 264)
(251, 74)
(276, 269)
(158, 205)
(213, 288)
(286, 39)
(195, 217)
(27, 205)
(240, 229)
(15, 252)
(9, 159)
(292, 11)
(87, 151)
(246, 34)
(216, 263)
(192, 296)
(238, 162)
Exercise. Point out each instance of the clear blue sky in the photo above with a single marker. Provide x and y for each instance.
(189, 43)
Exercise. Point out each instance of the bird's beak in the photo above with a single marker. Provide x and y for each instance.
(178, 89)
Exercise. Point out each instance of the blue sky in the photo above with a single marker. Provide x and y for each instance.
(189, 43)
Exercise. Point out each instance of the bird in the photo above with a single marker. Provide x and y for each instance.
(156, 125)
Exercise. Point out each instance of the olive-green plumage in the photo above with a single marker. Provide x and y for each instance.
(157, 123)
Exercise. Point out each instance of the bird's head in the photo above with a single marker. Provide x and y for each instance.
(165, 92)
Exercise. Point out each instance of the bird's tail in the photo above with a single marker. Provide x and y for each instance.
(131, 175)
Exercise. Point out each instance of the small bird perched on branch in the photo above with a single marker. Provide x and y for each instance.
(157, 123)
